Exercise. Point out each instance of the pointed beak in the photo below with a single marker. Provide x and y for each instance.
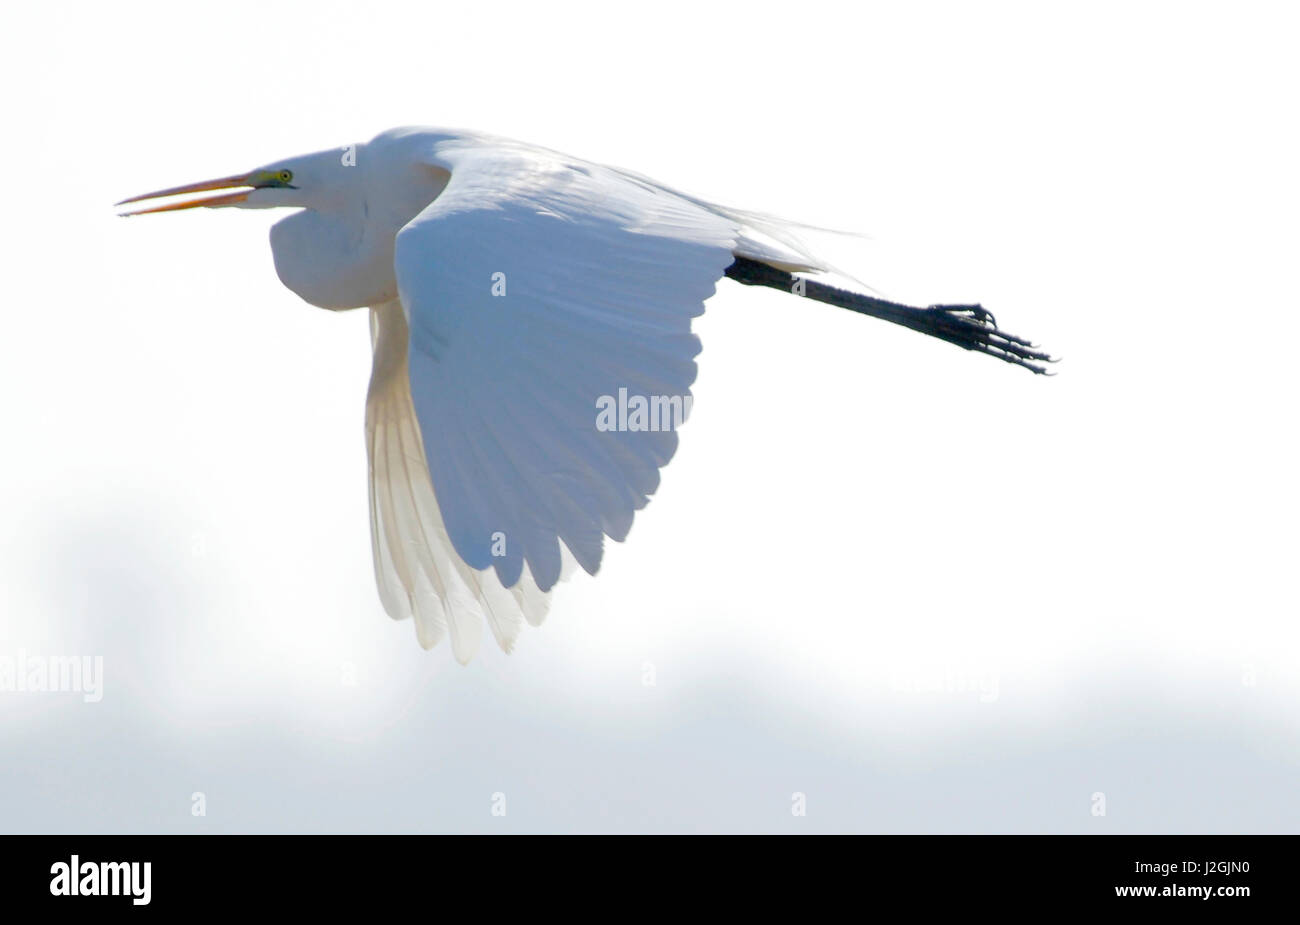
(229, 199)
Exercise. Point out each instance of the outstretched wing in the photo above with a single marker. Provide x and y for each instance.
(550, 355)
(418, 572)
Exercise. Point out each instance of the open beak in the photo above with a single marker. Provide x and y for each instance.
(229, 199)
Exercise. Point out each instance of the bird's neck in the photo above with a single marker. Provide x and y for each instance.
(340, 256)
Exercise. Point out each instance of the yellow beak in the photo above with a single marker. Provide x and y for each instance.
(229, 199)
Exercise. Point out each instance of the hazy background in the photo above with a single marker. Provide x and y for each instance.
(926, 590)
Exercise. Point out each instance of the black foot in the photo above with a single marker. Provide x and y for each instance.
(973, 327)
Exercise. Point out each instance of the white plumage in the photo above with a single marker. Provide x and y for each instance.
(531, 286)
(512, 290)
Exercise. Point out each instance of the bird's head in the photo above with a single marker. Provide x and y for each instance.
(337, 250)
(307, 182)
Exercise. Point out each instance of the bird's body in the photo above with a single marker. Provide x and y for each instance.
(521, 301)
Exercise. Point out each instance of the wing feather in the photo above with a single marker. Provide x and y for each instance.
(532, 289)
(418, 572)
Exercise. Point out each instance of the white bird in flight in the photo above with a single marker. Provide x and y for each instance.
(530, 312)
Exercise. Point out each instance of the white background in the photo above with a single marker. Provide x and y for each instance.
(927, 590)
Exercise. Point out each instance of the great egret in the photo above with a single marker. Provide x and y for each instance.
(530, 315)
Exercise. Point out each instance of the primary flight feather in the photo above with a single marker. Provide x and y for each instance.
(531, 324)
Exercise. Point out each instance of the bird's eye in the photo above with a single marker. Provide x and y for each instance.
(284, 176)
